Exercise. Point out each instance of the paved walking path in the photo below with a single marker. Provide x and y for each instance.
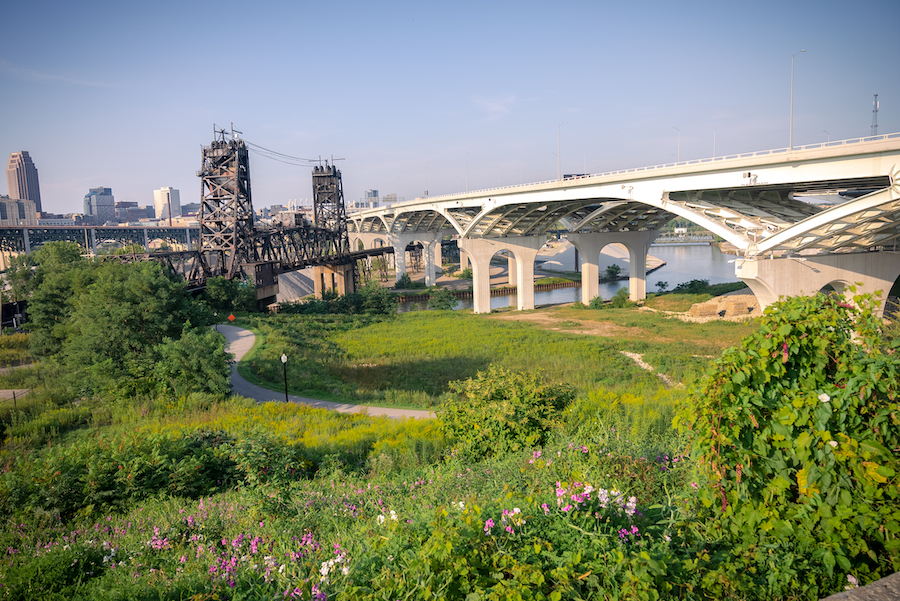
(240, 341)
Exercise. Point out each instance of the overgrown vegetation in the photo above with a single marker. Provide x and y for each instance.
(568, 483)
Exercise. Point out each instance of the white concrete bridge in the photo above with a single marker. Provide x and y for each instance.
(789, 246)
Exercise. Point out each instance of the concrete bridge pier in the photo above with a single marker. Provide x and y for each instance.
(480, 252)
(430, 250)
(770, 279)
(333, 277)
(589, 247)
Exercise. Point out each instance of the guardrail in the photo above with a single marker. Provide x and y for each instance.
(729, 157)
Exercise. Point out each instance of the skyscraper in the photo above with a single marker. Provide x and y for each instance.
(100, 205)
(22, 179)
(167, 202)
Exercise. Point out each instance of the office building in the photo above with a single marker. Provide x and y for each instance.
(100, 206)
(22, 179)
(17, 212)
(167, 203)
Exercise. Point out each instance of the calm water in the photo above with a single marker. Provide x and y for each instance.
(683, 264)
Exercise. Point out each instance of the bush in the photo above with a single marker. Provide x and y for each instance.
(692, 287)
(404, 282)
(500, 411)
(442, 300)
(796, 434)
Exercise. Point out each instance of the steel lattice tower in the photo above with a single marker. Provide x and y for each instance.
(226, 211)
(328, 206)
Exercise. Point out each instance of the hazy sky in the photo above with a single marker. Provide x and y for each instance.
(124, 95)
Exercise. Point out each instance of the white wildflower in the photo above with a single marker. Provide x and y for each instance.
(824, 397)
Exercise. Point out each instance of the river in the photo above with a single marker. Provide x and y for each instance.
(683, 264)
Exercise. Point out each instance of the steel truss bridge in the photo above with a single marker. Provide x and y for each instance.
(226, 243)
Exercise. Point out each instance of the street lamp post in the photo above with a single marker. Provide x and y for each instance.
(558, 160)
(791, 127)
(827, 134)
(467, 171)
(284, 363)
(678, 156)
(585, 162)
(714, 140)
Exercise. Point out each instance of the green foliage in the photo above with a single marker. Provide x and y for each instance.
(371, 299)
(499, 411)
(464, 274)
(195, 362)
(14, 349)
(661, 286)
(795, 434)
(225, 296)
(612, 272)
(692, 287)
(442, 300)
(404, 282)
(619, 300)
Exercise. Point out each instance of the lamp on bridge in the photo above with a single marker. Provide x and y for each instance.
(678, 156)
(284, 363)
(558, 161)
(791, 133)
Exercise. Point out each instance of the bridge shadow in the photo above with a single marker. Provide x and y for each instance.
(428, 376)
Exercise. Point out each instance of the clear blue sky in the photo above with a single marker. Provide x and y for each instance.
(123, 95)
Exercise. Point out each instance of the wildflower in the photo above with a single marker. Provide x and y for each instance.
(380, 519)
(833, 443)
(694, 485)
(461, 505)
(824, 397)
(393, 515)
(853, 582)
(488, 524)
(546, 508)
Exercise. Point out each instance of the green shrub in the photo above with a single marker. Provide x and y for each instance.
(795, 433)
(500, 411)
(404, 282)
(442, 300)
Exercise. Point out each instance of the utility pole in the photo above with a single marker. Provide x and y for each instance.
(875, 116)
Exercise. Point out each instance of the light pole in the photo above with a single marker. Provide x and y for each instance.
(558, 161)
(714, 140)
(828, 134)
(284, 363)
(678, 156)
(467, 171)
(791, 128)
(585, 162)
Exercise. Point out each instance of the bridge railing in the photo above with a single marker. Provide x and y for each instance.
(728, 157)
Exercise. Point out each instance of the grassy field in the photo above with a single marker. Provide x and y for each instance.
(198, 497)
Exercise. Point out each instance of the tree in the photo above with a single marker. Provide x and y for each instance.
(613, 271)
(129, 309)
(196, 362)
(224, 295)
(442, 300)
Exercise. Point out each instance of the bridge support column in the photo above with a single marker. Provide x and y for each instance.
(428, 240)
(511, 267)
(481, 250)
(590, 245)
(338, 278)
(770, 279)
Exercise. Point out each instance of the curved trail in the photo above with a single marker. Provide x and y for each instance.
(240, 341)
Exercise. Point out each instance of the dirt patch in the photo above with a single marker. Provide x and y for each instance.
(570, 326)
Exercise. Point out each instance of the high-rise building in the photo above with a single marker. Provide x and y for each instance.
(100, 205)
(22, 179)
(167, 203)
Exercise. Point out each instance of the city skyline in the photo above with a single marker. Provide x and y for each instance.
(421, 97)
